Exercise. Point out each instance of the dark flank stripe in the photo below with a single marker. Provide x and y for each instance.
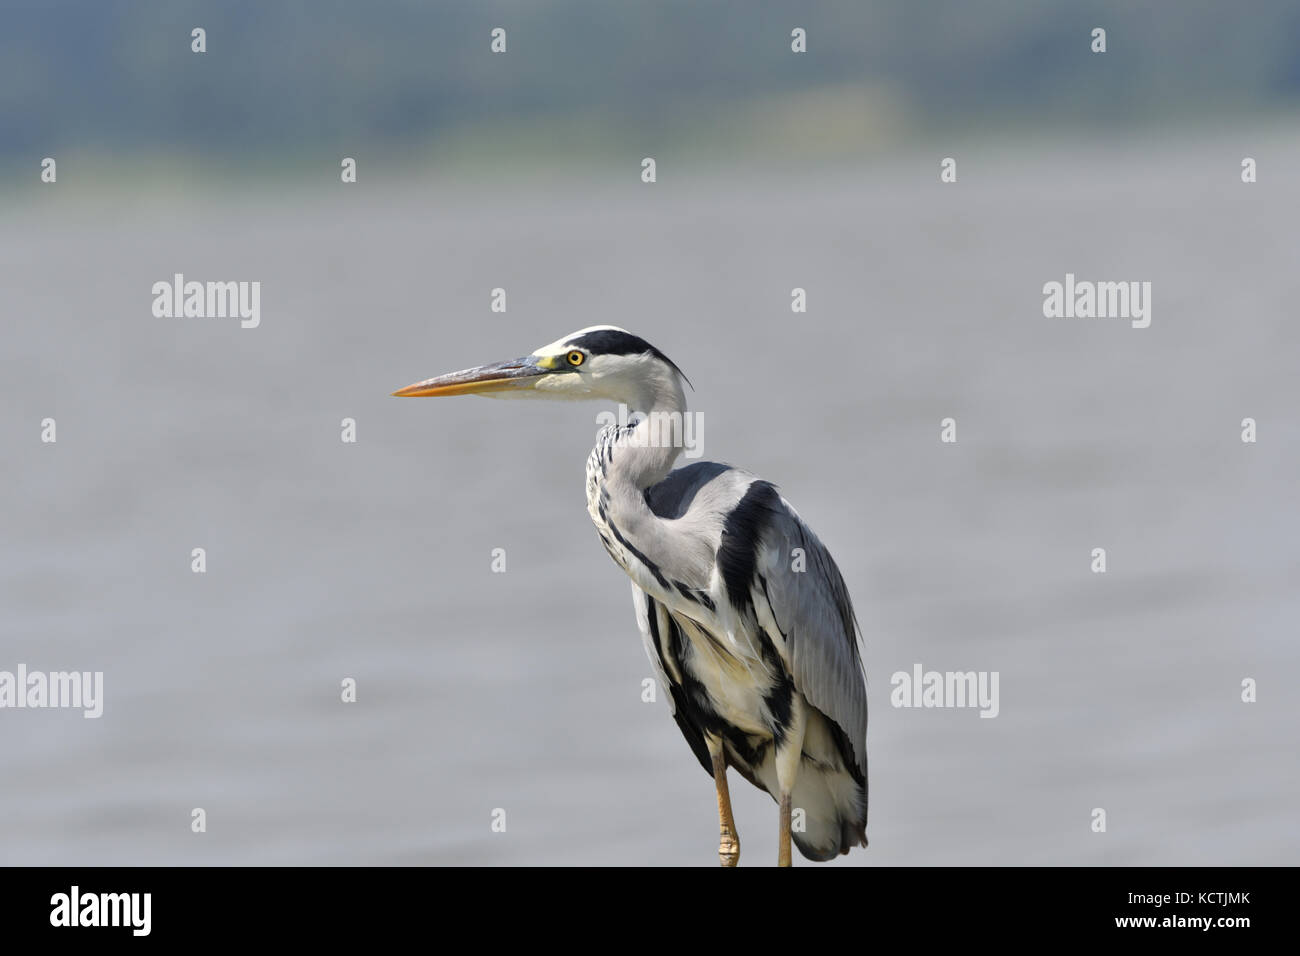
(650, 565)
(780, 698)
(685, 714)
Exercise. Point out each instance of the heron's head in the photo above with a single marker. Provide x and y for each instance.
(601, 362)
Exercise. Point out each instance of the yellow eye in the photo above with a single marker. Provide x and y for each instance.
(576, 358)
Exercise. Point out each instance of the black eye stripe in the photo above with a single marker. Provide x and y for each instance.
(612, 342)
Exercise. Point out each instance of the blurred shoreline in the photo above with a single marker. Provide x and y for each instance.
(542, 155)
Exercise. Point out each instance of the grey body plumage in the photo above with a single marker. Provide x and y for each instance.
(744, 615)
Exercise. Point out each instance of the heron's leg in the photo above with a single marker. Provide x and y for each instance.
(728, 838)
(789, 751)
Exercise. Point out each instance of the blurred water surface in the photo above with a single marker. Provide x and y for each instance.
(522, 690)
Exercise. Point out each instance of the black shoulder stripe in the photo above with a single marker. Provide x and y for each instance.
(741, 533)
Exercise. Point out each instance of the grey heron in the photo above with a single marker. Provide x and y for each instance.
(744, 615)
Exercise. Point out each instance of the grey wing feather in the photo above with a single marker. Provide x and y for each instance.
(813, 609)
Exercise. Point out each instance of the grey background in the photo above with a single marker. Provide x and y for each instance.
(523, 690)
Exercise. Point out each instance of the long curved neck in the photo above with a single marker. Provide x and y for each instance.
(624, 464)
(643, 454)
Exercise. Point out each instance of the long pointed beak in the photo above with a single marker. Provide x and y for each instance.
(498, 377)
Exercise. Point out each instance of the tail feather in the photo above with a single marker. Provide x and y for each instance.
(834, 812)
